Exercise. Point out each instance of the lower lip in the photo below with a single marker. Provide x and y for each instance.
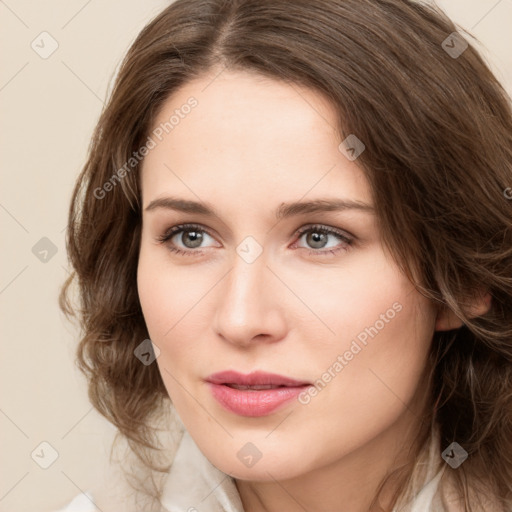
(254, 403)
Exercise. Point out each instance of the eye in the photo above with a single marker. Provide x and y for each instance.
(191, 236)
(317, 237)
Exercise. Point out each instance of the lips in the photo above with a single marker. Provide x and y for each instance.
(255, 394)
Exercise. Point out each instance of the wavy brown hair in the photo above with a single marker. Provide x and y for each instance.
(438, 135)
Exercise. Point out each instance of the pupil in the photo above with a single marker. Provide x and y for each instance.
(317, 240)
(195, 238)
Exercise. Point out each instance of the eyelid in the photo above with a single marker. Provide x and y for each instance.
(346, 239)
(328, 229)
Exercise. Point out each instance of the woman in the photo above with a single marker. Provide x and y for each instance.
(293, 232)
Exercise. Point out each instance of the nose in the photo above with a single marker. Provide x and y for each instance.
(250, 305)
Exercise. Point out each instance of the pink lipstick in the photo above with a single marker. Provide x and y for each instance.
(255, 394)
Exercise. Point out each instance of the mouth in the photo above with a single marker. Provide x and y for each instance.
(254, 380)
(254, 394)
(253, 388)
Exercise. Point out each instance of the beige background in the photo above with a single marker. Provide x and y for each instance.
(49, 108)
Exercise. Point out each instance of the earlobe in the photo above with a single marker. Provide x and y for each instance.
(446, 319)
(480, 306)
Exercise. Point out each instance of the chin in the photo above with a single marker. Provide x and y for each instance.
(266, 469)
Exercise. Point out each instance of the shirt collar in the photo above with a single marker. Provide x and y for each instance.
(194, 484)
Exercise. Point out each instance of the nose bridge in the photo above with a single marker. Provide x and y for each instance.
(247, 305)
(243, 291)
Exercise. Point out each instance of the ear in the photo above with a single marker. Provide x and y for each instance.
(447, 320)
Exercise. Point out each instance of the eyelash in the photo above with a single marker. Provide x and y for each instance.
(314, 228)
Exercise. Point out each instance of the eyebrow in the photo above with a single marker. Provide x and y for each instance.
(283, 211)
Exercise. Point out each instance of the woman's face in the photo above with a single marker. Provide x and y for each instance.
(276, 280)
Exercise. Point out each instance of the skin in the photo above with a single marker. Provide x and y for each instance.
(249, 145)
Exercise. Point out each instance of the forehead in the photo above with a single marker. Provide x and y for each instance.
(247, 133)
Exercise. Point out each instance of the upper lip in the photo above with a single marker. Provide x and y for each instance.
(257, 378)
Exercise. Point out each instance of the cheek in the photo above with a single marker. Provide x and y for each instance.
(344, 302)
(170, 299)
(167, 296)
(163, 290)
(153, 299)
(368, 376)
(381, 331)
(385, 357)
